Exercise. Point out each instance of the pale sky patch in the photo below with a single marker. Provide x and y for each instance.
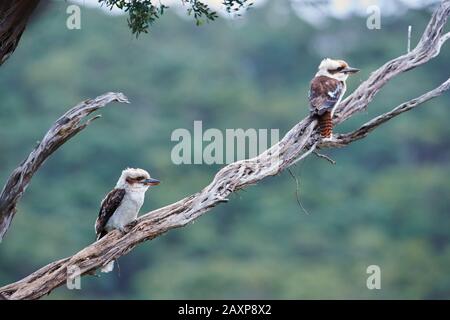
(315, 12)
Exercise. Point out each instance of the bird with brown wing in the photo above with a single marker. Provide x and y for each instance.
(326, 91)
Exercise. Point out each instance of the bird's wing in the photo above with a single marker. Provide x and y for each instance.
(324, 94)
(108, 207)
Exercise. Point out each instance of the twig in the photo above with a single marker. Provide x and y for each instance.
(324, 157)
(297, 193)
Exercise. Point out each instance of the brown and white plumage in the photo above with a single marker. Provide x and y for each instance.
(326, 91)
(108, 206)
(121, 205)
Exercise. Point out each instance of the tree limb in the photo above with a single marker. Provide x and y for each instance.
(62, 130)
(297, 144)
(344, 139)
(14, 15)
(428, 47)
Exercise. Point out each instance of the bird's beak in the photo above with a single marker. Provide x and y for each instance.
(350, 70)
(151, 182)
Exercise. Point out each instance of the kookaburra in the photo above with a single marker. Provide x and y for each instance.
(327, 89)
(122, 204)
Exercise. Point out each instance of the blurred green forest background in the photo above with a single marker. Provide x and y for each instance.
(385, 202)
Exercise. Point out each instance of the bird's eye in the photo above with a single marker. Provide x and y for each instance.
(339, 69)
(140, 178)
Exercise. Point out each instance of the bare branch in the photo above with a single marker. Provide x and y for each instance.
(365, 129)
(428, 47)
(62, 130)
(233, 177)
(324, 156)
(298, 143)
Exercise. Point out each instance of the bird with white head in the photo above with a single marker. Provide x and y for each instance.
(326, 91)
(121, 205)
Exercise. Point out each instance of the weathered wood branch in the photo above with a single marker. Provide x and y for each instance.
(365, 129)
(428, 47)
(14, 16)
(62, 130)
(297, 144)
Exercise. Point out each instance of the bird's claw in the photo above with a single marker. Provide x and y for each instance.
(328, 139)
(128, 227)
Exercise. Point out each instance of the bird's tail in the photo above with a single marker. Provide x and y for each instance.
(108, 268)
(100, 235)
(325, 125)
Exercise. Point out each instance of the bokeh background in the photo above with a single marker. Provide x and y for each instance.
(385, 202)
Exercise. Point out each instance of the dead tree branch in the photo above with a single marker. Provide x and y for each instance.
(428, 48)
(14, 15)
(365, 129)
(297, 144)
(62, 130)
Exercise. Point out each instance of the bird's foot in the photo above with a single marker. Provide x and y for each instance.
(328, 139)
(93, 273)
(128, 227)
(122, 229)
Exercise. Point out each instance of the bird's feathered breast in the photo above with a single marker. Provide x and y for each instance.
(324, 93)
(109, 205)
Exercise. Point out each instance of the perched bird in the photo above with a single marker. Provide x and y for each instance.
(327, 89)
(122, 204)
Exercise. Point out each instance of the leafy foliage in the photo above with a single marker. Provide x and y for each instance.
(143, 13)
